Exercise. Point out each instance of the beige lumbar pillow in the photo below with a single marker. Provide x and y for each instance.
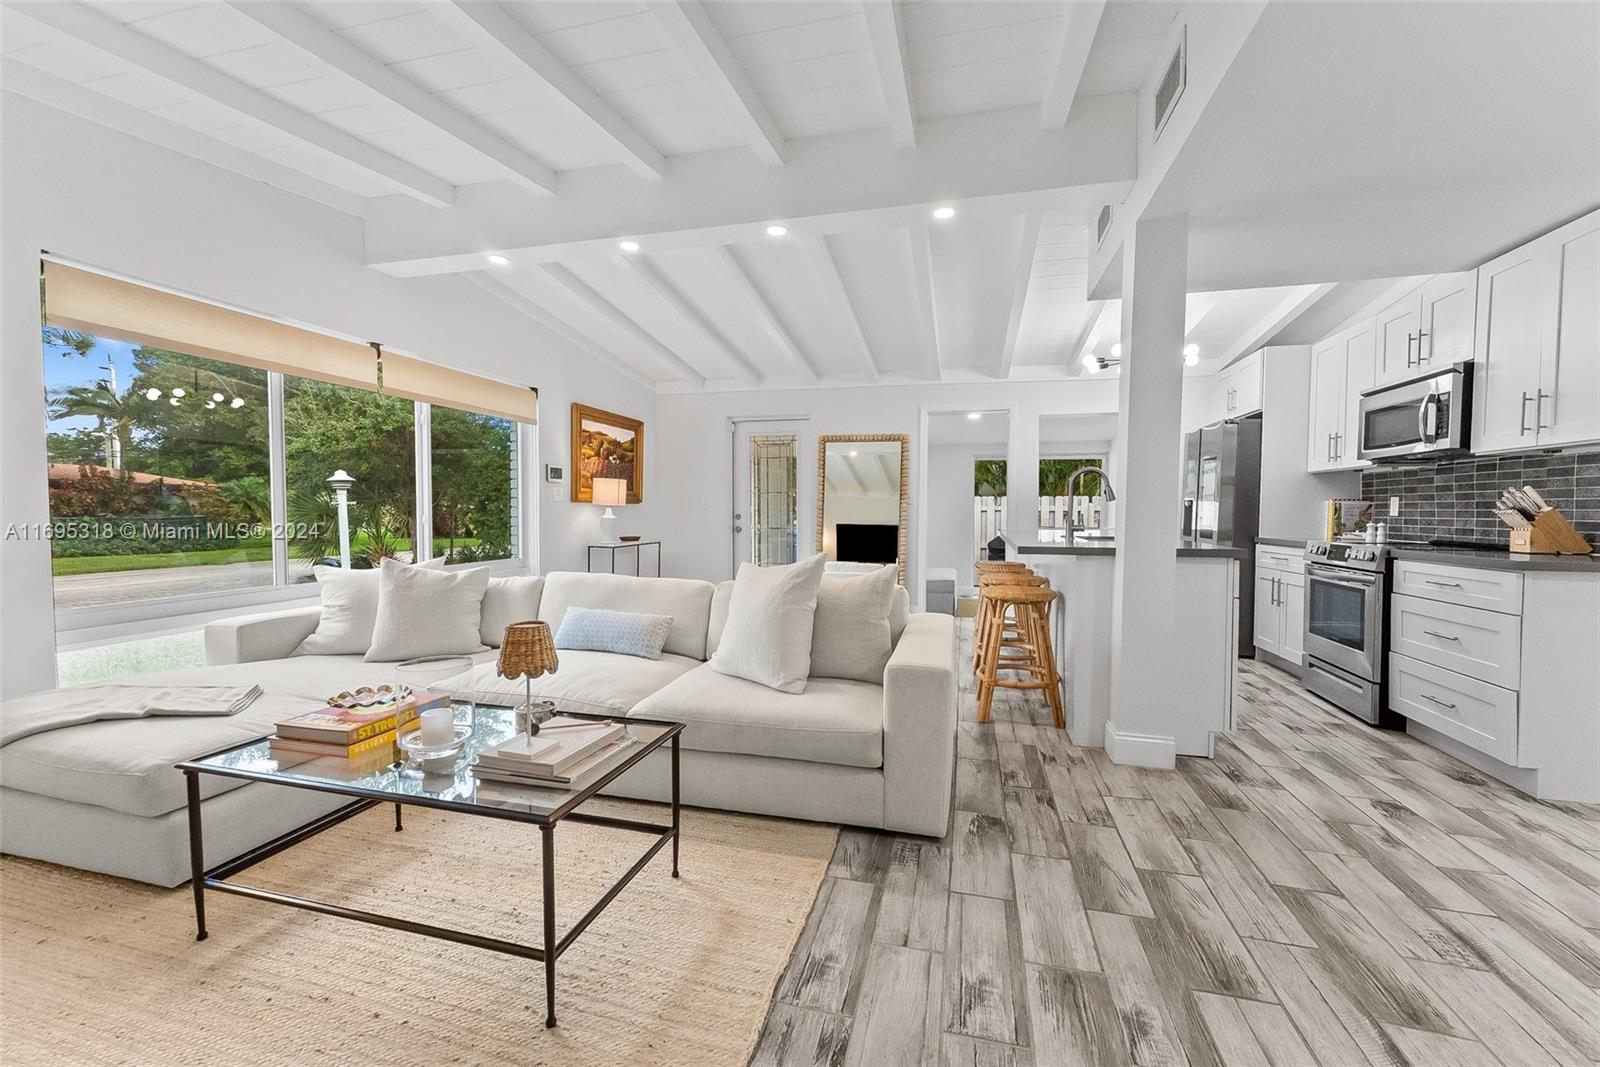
(768, 636)
(426, 612)
(851, 635)
(349, 610)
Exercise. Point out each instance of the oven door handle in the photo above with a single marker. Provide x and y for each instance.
(1361, 582)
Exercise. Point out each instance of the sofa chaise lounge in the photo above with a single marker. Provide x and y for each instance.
(103, 796)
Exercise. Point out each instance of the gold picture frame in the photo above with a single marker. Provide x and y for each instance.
(606, 445)
(823, 440)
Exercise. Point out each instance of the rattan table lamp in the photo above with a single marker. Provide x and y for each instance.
(526, 651)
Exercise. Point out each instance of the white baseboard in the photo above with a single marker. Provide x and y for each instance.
(1140, 750)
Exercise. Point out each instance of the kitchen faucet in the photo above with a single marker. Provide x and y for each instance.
(1072, 492)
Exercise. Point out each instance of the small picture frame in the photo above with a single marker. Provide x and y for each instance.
(554, 472)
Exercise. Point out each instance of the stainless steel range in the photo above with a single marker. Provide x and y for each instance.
(1347, 615)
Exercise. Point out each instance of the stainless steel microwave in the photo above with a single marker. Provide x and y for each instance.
(1426, 416)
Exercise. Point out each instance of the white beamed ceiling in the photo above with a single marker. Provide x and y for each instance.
(433, 106)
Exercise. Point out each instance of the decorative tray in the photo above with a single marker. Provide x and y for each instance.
(368, 696)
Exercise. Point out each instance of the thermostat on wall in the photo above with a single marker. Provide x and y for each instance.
(554, 473)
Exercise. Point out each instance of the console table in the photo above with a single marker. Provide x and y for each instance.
(638, 552)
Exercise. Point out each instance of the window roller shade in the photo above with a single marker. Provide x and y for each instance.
(110, 307)
(429, 382)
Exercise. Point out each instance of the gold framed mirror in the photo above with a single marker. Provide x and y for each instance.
(862, 499)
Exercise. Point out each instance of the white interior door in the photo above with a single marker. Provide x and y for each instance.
(771, 492)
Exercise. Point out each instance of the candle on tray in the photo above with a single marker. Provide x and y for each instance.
(438, 727)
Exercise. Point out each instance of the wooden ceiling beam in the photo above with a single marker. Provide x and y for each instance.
(335, 52)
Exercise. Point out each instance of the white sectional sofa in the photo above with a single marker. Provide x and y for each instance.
(104, 796)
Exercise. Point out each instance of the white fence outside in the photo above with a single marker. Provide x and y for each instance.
(989, 515)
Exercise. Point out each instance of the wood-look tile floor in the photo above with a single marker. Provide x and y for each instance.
(1319, 893)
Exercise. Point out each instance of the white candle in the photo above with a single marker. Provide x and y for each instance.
(438, 727)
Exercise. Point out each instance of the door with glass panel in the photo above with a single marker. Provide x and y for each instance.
(768, 492)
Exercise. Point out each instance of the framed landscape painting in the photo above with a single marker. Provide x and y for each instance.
(606, 445)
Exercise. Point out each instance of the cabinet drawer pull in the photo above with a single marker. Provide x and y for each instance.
(1538, 410)
(1436, 700)
(1522, 418)
(1443, 585)
(1442, 637)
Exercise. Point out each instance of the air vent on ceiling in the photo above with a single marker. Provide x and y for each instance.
(1170, 89)
(1102, 223)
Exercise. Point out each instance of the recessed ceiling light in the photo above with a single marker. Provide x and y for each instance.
(943, 213)
(152, 394)
(1191, 355)
(628, 246)
(1116, 350)
(217, 397)
(776, 231)
(499, 260)
(236, 402)
(853, 452)
(178, 391)
(974, 414)
(1091, 362)
(173, 401)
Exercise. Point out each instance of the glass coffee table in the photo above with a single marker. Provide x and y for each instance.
(369, 783)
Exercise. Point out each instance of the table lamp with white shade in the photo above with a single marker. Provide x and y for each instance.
(610, 493)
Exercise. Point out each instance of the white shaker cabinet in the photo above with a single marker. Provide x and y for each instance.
(1280, 603)
(1239, 388)
(1429, 327)
(1341, 369)
(1537, 375)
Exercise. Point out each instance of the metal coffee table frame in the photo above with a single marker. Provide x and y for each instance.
(216, 878)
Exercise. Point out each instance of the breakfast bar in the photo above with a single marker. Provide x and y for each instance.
(1200, 681)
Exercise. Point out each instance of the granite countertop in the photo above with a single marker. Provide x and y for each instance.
(1101, 547)
(1497, 559)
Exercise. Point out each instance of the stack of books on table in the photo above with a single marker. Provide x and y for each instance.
(567, 753)
(349, 733)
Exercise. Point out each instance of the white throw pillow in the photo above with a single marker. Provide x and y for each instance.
(850, 637)
(424, 612)
(509, 600)
(768, 636)
(349, 610)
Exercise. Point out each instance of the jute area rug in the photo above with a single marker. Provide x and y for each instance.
(97, 970)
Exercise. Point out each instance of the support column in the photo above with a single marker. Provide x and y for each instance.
(1149, 426)
(1022, 477)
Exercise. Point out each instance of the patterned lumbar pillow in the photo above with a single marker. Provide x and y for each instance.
(627, 633)
(768, 636)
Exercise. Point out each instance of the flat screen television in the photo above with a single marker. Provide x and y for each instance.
(867, 542)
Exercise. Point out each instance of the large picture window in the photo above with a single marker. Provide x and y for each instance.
(474, 476)
(372, 438)
(159, 476)
(191, 449)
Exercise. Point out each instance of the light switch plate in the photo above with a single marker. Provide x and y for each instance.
(1394, 505)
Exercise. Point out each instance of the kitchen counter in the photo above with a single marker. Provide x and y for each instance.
(1497, 560)
(1282, 542)
(1087, 546)
(1205, 613)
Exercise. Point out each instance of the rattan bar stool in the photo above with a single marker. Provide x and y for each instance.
(1027, 607)
(1007, 573)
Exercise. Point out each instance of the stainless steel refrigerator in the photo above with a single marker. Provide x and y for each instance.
(1222, 502)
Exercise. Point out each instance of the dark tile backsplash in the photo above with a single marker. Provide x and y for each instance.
(1456, 501)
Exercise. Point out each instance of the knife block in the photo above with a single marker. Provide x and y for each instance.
(1551, 535)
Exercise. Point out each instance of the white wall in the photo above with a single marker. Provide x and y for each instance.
(692, 428)
(107, 200)
(949, 506)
